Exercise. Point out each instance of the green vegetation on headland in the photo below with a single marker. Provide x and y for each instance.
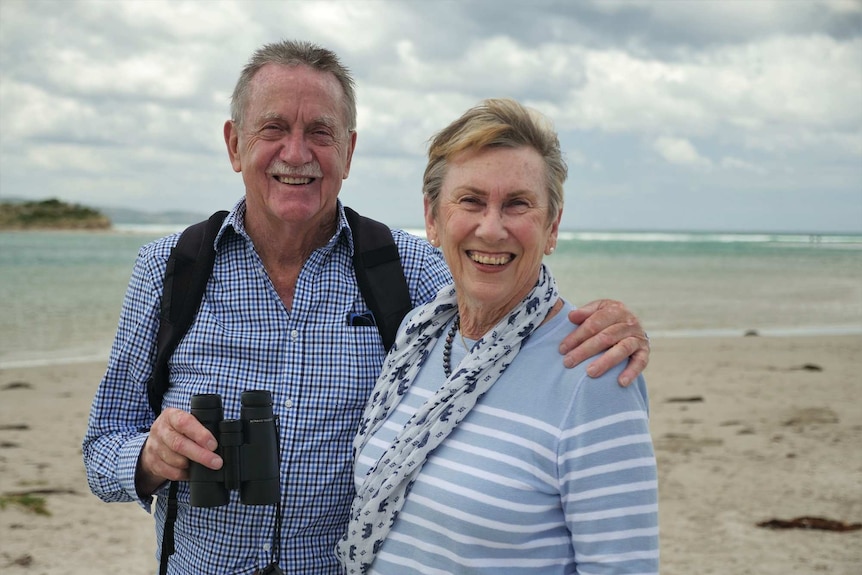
(51, 215)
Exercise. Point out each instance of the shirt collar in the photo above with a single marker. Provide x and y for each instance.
(236, 220)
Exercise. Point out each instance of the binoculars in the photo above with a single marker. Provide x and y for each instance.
(248, 446)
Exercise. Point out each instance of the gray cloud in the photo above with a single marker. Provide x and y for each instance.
(674, 115)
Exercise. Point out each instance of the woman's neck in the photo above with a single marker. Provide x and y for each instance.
(476, 324)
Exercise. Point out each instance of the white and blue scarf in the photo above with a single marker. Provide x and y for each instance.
(382, 495)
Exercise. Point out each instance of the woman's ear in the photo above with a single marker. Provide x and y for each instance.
(430, 224)
(551, 244)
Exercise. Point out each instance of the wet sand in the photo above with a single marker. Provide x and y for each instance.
(747, 429)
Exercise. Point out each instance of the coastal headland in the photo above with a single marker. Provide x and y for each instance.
(51, 214)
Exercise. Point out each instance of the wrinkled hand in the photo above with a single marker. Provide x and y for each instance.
(607, 325)
(176, 437)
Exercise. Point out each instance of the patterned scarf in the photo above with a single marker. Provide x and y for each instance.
(382, 495)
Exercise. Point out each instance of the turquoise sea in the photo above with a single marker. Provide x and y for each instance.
(60, 292)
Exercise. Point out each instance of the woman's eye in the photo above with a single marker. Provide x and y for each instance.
(519, 206)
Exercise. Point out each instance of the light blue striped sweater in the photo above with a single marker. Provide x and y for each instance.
(551, 473)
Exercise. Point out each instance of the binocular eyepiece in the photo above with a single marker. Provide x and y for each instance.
(248, 446)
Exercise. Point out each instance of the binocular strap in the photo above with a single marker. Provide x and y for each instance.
(171, 518)
(168, 533)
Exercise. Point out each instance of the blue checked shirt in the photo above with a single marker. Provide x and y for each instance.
(319, 369)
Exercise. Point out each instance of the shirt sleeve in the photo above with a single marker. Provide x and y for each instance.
(120, 416)
(424, 267)
(608, 477)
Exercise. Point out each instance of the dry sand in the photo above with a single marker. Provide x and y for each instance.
(746, 430)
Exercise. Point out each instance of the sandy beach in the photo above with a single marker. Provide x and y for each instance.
(747, 430)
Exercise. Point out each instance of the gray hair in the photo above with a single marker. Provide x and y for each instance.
(294, 53)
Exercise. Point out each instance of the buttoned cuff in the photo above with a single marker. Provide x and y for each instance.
(129, 454)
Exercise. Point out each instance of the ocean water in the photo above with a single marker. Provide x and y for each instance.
(61, 292)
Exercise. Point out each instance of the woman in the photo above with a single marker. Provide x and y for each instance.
(478, 452)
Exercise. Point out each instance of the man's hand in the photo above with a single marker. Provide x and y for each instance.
(175, 438)
(607, 325)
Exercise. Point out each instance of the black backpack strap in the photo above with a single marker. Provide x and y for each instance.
(376, 263)
(189, 267)
(379, 274)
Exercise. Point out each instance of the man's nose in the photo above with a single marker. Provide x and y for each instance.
(295, 150)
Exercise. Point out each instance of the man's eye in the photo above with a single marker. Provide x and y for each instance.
(271, 129)
(322, 136)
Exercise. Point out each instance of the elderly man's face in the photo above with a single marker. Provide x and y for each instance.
(292, 147)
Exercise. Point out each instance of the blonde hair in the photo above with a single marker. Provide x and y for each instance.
(497, 122)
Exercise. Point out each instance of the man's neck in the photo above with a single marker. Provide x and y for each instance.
(284, 248)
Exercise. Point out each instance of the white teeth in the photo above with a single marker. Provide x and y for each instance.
(293, 181)
(488, 260)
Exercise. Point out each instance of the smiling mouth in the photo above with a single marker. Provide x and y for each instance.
(294, 180)
(490, 260)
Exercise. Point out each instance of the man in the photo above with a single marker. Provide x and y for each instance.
(273, 317)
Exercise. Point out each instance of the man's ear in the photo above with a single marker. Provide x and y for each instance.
(351, 145)
(231, 139)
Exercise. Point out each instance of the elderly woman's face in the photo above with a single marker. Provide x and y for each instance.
(492, 225)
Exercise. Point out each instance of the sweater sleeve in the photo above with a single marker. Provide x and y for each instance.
(608, 478)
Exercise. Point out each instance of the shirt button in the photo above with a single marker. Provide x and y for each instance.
(289, 403)
(266, 546)
(294, 334)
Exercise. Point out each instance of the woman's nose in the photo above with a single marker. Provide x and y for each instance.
(491, 225)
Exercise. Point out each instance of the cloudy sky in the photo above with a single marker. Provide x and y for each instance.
(739, 115)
